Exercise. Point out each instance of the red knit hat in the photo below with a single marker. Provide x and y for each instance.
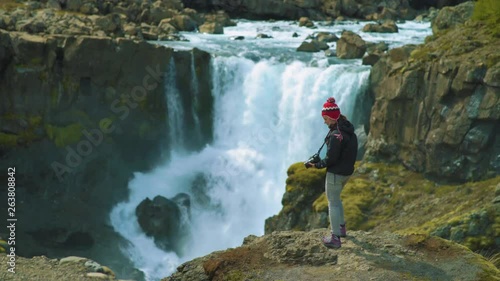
(331, 109)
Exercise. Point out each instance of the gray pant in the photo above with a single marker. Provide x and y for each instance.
(333, 186)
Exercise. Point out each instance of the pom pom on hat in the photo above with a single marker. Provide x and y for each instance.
(331, 109)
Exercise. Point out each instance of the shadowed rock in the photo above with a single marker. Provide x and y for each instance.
(163, 219)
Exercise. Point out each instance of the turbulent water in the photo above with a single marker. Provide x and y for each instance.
(268, 99)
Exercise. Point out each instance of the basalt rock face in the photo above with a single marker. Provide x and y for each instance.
(79, 115)
(437, 106)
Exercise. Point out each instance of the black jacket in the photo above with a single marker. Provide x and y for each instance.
(342, 149)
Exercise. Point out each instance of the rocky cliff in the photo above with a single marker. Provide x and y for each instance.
(78, 116)
(437, 105)
(380, 197)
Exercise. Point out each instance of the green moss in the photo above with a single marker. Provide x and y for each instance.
(25, 135)
(489, 272)
(4, 246)
(307, 178)
(36, 61)
(35, 120)
(321, 204)
(8, 5)
(63, 136)
(488, 11)
(8, 140)
(235, 275)
(66, 12)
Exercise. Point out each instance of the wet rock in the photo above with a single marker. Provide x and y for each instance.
(263, 36)
(211, 28)
(305, 21)
(388, 26)
(312, 46)
(162, 219)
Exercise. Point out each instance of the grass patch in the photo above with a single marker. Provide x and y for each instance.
(488, 11)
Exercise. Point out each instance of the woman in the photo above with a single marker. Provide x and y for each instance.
(342, 149)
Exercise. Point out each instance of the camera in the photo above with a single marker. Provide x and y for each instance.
(313, 159)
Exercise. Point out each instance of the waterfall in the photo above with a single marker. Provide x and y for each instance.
(195, 99)
(266, 117)
(174, 108)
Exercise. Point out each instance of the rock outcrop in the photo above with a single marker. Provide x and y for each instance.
(79, 115)
(437, 105)
(380, 197)
(160, 20)
(296, 255)
(68, 268)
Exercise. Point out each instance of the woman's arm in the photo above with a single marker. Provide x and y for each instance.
(332, 152)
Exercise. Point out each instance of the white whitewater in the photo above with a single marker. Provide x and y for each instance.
(267, 117)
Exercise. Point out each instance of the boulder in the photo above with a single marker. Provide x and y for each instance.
(388, 26)
(165, 27)
(451, 16)
(312, 46)
(221, 17)
(183, 23)
(350, 46)
(263, 36)
(157, 13)
(211, 28)
(370, 59)
(326, 37)
(305, 21)
(162, 219)
(108, 23)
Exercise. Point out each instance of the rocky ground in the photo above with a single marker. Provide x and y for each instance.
(296, 255)
(44, 269)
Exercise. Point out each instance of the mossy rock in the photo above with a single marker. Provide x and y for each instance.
(25, 134)
(388, 197)
(63, 136)
(4, 246)
(8, 140)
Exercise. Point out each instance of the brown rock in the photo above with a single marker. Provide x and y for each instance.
(350, 46)
(212, 28)
(451, 16)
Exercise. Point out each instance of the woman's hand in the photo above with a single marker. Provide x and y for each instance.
(309, 165)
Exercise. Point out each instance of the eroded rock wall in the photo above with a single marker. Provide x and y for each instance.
(78, 116)
(441, 119)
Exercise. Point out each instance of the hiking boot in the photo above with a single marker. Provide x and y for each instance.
(343, 232)
(332, 241)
